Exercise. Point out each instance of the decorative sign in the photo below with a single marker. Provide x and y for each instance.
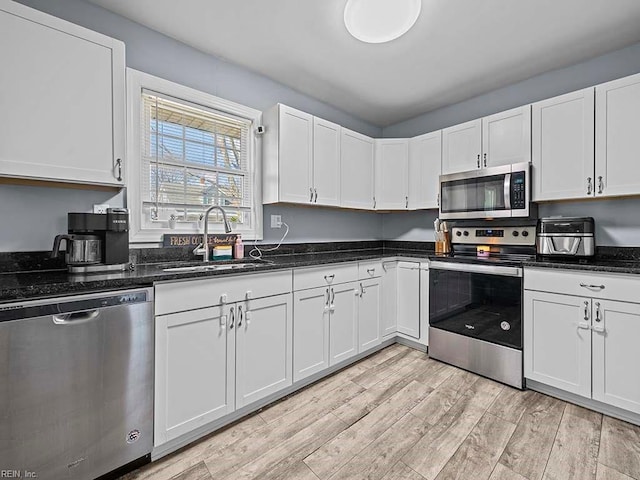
(173, 240)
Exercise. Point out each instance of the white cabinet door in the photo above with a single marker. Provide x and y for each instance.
(425, 163)
(356, 171)
(392, 173)
(389, 320)
(616, 330)
(618, 137)
(295, 150)
(263, 347)
(557, 341)
(563, 146)
(194, 376)
(506, 137)
(343, 322)
(409, 299)
(310, 332)
(62, 96)
(369, 314)
(326, 162)
(461, 147)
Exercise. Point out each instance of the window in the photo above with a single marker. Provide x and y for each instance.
(190, 150)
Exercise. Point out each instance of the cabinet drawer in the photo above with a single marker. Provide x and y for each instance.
(610, 286)
(192, 294)
(325, 275)
(369, 269)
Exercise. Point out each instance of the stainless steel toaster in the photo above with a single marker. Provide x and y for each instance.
(567, 236)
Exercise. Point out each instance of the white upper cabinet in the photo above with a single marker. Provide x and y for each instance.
(506, 137)
(326, 162)
(288, 165)
(425, 160)
(462, 147)
(618, 137)
(563, 146)
(63, 96)
(392, 173)
(356, 171)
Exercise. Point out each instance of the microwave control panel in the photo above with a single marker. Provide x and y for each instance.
(518, 191)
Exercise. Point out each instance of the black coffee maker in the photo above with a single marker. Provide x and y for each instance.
(96, 242)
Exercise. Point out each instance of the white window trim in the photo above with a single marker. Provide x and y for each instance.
(136, 82)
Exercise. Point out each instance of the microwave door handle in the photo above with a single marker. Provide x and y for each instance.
(507, 191)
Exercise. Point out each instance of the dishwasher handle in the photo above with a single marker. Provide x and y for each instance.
(75, 318)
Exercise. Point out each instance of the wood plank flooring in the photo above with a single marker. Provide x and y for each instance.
(398, 415)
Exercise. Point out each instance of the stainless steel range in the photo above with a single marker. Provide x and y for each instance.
(475, 301)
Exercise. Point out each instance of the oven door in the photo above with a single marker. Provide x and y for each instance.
(478, 301)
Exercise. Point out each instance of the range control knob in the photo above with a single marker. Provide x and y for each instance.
(458, 233)
(466, 234)
(515, 233)
(525, 233)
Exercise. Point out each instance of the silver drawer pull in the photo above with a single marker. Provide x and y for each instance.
(584, 285)
(329, 278)
(371, 271)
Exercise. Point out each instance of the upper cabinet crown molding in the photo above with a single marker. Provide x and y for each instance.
(63, 89)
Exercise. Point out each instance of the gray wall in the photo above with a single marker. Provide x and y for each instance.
(618, 221)
(32, 215)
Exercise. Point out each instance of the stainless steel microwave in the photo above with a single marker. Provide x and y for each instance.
(495, 192)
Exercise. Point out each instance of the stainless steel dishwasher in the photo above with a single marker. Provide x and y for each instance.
(76, 384)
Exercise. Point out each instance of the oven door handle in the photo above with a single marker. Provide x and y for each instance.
(473, 268)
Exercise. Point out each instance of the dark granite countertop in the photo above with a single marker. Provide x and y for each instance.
(51, 282)
(16, 286)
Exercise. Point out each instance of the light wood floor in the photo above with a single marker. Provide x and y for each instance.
(399, 415)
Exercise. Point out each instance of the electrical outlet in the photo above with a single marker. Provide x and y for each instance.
(100, 208)
(276, 221)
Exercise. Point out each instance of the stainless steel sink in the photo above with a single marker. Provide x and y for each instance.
(212, 267)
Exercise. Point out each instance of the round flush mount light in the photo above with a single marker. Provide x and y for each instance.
(380, 21)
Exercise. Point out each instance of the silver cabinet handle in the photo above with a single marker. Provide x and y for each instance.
(589, 187)
(329, 278)
(485, 159)
(362, 289)
(478, 160)
(240, 316)
(119, 168)
(371, 271)
(600, 327)
(232, 318)
(438, 200)
(600, 185)
(316, 197)
(586, 311)
(326, 303)
(598, 319)
(310, 194)
(584, 285)
(406, 202)
(374, 202)
(332, 305)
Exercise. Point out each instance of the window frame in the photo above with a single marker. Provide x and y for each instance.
(137, 82)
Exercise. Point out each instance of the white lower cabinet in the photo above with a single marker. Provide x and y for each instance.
(194, 375)
(616, 356)
(343, 322)
(263, 347)
(310, 332)
(557, 341)
(369, 314)
(389, 320)
(408, 295)
(584, 345)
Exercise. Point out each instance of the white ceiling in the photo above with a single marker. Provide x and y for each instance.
(456, 50)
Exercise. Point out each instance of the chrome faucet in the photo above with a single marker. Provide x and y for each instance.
(203, 248)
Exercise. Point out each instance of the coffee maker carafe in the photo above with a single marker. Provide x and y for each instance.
(96, 242)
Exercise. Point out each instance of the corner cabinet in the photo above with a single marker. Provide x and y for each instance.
(357, 187)
(62, 93)
(392, 173)
(582, 338)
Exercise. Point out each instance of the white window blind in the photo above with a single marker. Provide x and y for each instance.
(193, 157)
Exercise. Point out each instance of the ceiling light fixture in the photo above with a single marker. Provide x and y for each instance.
(380, 21)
